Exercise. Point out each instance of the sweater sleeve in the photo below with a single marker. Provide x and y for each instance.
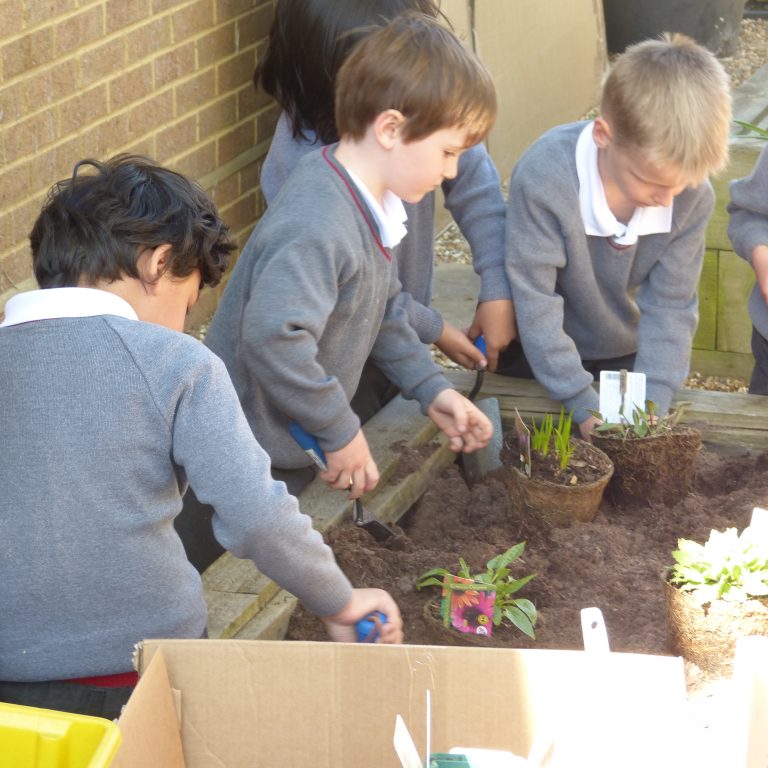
(535, 250)
(748, 209)
(402, 357)
(475, 201)
(426, 321)
(280, 348)
(255, 517)
(668, 303)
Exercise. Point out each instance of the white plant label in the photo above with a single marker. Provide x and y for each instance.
(621, 391)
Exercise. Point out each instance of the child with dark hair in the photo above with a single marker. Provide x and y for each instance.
(315, 291)
(308, 43)
(107, 411)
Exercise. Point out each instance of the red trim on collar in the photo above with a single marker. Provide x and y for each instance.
(387, 254)
(616, 246)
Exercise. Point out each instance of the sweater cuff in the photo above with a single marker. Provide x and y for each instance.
(494, 285)
(426, 392)
(427, 322)
(581, 404)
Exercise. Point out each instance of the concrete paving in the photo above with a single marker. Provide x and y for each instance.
(455, 292)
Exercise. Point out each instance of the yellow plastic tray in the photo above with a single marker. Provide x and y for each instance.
(43, 738)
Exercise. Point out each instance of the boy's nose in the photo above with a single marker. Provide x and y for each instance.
(451, 168)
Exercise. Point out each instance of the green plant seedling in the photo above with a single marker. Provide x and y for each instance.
(541, 434)
(644, 422)
(497, 578)
(728, 567)
(754, 131)
(564, 449)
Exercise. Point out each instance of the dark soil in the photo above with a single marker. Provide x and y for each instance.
(613, 562)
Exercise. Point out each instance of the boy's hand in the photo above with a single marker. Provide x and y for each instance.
(352, 468)
(496, 321)
(459, 347)
(586, 427)
(760, 265)
(462, 421)
(341, 627)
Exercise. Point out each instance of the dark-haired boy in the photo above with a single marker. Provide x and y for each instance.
(106, 411)
(315, 291)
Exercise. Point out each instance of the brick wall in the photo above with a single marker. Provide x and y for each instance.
(168, 78)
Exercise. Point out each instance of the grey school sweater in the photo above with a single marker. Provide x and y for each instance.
(578, 297)
(474, 199)
(748, 227)
(102, 420)
(312, 296)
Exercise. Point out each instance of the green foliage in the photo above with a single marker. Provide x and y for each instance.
(755, 131)
(643, 423)
(729, 566)
(543, 435)
(496, 578)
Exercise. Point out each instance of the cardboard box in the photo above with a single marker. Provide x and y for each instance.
(325, 705)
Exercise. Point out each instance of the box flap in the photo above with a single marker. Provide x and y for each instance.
(149, 724)
(293, 704)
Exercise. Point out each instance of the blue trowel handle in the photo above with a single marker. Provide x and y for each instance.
(367, 629)
(481, 345)
(308, 444)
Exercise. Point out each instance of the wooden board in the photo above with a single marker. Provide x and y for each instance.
(734, 284)
(706, 332)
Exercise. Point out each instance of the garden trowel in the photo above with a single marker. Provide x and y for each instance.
(360, 515)
(485, 460)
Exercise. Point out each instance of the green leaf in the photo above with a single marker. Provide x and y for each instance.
(431, 582)
(520, 620)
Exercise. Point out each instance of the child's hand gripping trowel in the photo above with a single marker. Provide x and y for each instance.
(485, 460)
(361, 516)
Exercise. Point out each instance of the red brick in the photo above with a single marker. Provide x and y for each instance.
(174, 65)
(49, 85)
(13, 18)
(84, 109)
(236, 71)
(193, 93)
(217, 116)
(96, 63)
(16, 266)
(14, 185)
(144, 146)
(235, 142)
(26, 53)
(198, 162)
(122, 13)
(249, 176)
(254, 26)
(216, 45)
(147, 39)
(13, 103)
(170, 140)
(242, 214)
(29, 136)
(144, 118)
(102, 140)
(23, 217)
(192, 20)
(55, 164)
(43, 11)
(225, 191)
(164, 5)
(130, 87)
(250, 101)
(227, 9)
(78, 31)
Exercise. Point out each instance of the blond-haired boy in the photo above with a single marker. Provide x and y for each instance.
(605, 228)
(315, 291)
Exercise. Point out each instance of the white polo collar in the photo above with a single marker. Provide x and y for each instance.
(390, 217)
(597, 216)
(52, 303)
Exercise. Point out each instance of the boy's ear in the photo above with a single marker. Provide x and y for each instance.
(387, 126)
(153, 263)
(601, 132)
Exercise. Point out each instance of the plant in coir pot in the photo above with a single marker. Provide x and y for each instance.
(715, 593)
(473, 604)
(560, 478)
(654, 457)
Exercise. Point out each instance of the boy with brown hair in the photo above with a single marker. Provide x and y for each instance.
(315, 291)
(605, 228)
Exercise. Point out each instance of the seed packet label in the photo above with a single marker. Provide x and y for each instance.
(468, 610)
(620, 393)
(524, 443)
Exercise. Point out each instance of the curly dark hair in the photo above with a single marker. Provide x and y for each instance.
(94, 226)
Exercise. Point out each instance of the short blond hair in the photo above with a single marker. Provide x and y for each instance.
(418, 67)
(671, 98)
